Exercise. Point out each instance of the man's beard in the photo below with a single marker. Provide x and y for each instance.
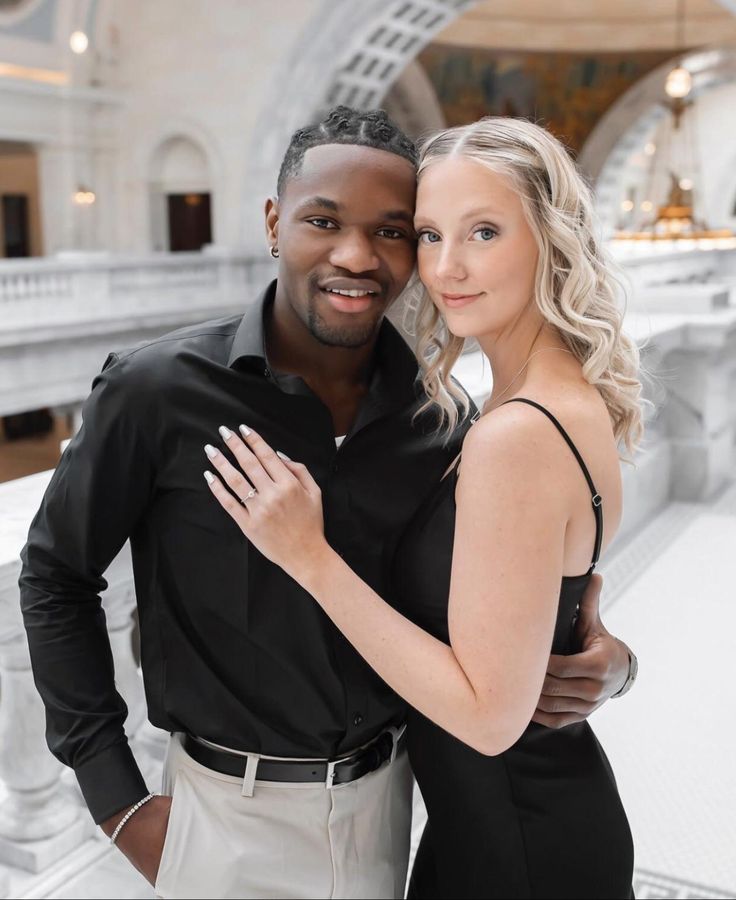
(346, 336)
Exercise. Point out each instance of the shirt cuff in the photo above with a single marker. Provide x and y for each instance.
(110, 781)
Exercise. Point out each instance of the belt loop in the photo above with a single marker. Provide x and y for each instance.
(396, 735)
(330, 779)
(249, 779)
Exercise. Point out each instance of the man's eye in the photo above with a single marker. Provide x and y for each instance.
(392, 233)
(428, 237)
(321, 223)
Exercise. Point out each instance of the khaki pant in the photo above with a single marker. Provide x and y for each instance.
(286, 840)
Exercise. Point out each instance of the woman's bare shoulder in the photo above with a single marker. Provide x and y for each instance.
(520, 438)
(510, 442)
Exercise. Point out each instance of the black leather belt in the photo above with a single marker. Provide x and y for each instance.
(329, 772)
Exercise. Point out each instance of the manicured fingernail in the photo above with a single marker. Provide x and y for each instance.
(209, 477)
(244, 430)
(225, 432)
(282, 456)
(210, 451)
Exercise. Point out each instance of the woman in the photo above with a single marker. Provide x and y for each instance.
(508, 255)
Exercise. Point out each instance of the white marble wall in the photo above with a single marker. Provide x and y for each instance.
(235, 83)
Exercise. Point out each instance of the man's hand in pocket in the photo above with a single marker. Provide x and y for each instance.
(142, 837)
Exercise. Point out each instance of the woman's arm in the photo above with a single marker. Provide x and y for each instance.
(507, 568)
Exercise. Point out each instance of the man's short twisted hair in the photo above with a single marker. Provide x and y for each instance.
(343, 125)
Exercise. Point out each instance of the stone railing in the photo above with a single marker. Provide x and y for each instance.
(47, 837)
(59, 318)
(75, 289)
(649, 263)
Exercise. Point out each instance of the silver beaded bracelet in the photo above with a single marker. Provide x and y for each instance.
(133, 809)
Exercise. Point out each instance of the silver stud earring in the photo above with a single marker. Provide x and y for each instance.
(274, 251)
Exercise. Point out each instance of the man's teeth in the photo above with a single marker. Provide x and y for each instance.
(353, 293)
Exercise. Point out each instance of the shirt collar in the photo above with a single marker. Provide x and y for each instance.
(249, 343)
(395, 369)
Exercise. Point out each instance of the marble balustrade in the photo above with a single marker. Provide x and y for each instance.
(59, 317)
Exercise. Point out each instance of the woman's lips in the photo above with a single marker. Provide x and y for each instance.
(455, 301)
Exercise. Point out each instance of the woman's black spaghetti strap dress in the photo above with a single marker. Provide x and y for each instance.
(543, 819)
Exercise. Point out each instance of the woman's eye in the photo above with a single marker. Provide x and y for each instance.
(428, 237)
(486, 234)
(321, 223)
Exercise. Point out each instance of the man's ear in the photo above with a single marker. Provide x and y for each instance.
(272, 221)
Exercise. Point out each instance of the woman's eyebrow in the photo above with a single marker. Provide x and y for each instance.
(481, 212)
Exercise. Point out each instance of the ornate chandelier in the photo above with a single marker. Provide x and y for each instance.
(675, 218)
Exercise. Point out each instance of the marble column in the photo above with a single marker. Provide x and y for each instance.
(39, 822)
(73, 413)
(57, 185)
(700, 413)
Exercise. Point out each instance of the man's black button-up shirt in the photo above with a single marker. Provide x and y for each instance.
(232, 649)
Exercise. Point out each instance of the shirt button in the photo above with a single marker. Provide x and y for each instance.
(267, 373)
(358, 720)
(335, 467)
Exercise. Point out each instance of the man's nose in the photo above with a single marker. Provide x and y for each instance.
(355, 252)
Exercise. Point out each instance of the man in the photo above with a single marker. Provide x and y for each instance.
(286, 761)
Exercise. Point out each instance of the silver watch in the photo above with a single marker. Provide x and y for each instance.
(633, 672)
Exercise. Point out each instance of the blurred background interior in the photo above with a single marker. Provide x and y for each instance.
(137, 143)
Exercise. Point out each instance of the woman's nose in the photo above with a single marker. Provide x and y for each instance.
(450, 264)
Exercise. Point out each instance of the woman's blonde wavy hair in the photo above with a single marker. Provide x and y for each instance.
(577, 290)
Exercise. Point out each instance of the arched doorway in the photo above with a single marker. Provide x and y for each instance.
(20, 222)
(180, 196)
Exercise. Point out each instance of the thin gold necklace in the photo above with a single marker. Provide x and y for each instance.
(529, 359)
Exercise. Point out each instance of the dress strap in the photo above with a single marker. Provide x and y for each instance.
(597, 500)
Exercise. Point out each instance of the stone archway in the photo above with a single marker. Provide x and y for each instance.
(413, 103)
(179, 169)
(378, 39)
(179, 156)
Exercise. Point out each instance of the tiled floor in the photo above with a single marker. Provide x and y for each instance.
(671, 593)
(671, 739)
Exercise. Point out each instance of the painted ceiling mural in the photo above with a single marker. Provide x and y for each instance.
(567, 92)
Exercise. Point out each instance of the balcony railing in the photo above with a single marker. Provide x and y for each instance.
(80, 288)
(59, 318)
